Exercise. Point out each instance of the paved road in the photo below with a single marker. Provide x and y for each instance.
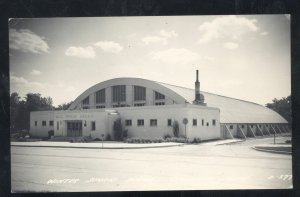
(188, 167)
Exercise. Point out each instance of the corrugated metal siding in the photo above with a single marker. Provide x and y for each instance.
(232, 110)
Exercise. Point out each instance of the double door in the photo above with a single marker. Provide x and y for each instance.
(74, 128)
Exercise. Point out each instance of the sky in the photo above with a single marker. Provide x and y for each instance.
(246, 57)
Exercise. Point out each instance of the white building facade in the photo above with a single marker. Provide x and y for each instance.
(148, 109)
(141, 122)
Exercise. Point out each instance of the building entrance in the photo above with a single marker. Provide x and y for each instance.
(74, 128)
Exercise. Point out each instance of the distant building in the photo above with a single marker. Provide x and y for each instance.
(148, 109)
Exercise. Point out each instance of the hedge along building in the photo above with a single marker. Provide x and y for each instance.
(148, 109)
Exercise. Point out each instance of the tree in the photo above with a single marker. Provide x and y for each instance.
(14, 104)
(64, 106)
(20, 109)
(35, 102)
(283, 107)
(175, 128)
(118, 131)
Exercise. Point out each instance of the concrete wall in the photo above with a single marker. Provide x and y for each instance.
(173, 112)
(208, 130)
(104, 119)
(39, 130)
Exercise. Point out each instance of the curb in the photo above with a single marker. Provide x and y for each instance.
(98, 147)
(231, 143)
(272, 151)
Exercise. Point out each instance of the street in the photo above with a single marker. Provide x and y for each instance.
(188, 167)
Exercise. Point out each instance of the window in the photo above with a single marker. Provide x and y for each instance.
(100, 106)
(194, 122)
(51, 122)
(119, 105)
(43, 123)
(153, 122)
(139, 104)
(35, 123)
(159, 96)
(139, 93)
(243, 126)
(169, 122)
(207, 124)
(160, 103)
(128, 122)
(85, 107)
(231, 127)
(259, 126)
(214, 122)
(119, 93)
(100, 96)
(251, 126)
(93, 125)
(140, 122)
(57, 125)
(86, 101)
(202, 122)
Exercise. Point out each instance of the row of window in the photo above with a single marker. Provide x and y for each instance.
(140, 122)
(44, 123)
(195, 122)
(153, 122)
(119, 95)
(243, 126)
(123, 105)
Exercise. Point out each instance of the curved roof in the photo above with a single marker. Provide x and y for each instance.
(231, 110)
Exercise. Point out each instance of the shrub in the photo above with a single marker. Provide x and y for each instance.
(45, 138)
(50, 133)
(288, 141)
(166, 136)
(118, 129)
(21, 139)
(108, 137)
(196, 140)
(96, 139)
(175, 128)
(125, 134)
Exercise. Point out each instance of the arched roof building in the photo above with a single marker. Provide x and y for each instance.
(149, 109)
(231, 110)
(142, 92)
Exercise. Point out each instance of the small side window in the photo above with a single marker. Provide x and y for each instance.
(93, 125)
(214, 122)
(169, 122)
(194, 122)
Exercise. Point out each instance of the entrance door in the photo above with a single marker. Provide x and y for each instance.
(74, 128)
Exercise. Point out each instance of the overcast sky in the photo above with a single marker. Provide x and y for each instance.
(245, 57)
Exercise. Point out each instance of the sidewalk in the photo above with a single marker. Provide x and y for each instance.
(280, 148)
(221, 142)
(115, 145)
(109, 145)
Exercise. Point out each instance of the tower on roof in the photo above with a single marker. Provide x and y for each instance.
(199, 98)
